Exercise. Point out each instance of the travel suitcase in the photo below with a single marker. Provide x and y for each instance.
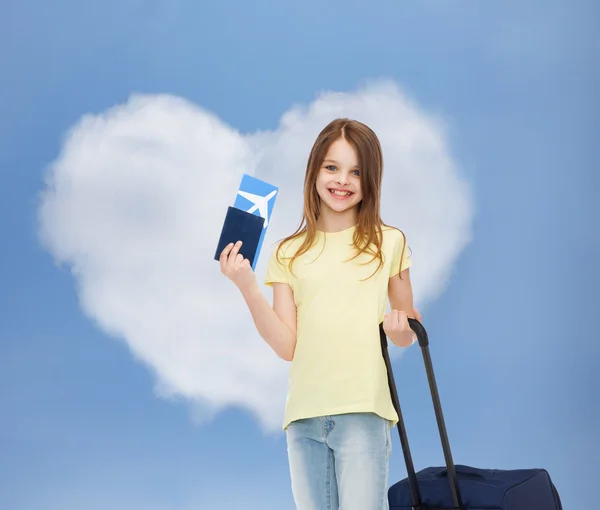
(459, 487)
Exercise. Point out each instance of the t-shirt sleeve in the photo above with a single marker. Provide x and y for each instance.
(276, 269)
(402, 254)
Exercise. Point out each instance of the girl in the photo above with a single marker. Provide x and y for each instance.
(331, 280)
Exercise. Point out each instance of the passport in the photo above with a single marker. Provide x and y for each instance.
(241, 226)
(255, 199)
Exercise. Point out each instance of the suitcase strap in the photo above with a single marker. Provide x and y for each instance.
(423, 339)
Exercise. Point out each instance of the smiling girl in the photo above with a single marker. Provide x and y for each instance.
(331, 282)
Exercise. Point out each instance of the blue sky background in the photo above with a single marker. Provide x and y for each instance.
(515, 342)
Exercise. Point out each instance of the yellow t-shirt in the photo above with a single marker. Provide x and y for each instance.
(338, 366)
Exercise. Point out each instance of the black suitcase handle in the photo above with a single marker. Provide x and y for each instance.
(423, 340)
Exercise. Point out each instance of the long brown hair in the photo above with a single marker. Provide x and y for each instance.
(368, 236)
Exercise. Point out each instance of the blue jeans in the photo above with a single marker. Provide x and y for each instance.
(340, 462)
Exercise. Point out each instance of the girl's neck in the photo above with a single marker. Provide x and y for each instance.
(336, 222)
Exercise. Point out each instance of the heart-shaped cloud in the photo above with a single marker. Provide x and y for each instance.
(134, 206)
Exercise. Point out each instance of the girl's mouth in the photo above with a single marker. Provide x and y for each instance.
(339, 194)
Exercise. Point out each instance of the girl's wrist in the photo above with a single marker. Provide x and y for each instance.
(250, 289)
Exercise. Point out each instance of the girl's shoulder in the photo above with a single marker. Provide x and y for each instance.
(392, 234)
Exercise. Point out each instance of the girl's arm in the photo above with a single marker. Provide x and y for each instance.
(401, 302)
(400, 293)
(277, 324)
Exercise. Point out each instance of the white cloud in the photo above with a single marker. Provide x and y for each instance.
(134, 204)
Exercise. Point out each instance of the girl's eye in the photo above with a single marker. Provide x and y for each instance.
(331, 168)
(356, 172)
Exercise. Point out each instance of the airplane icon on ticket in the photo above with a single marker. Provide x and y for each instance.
(259, 203)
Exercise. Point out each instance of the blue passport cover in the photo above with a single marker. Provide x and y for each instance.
(241, 226)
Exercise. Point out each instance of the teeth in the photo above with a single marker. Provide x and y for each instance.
(340, 193)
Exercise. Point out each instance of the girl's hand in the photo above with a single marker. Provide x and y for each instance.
(236, 267)
(397, 328)
(417, 315)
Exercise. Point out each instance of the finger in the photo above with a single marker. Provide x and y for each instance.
(402, 319)
(386, 322)
(394, 319)
(234, 251)
(223, 258)
(225, 252)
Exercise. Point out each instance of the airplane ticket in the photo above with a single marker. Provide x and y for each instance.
(257, 197)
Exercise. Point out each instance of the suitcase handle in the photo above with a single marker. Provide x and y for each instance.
(463, 470)
(423, 340)
(418, 328)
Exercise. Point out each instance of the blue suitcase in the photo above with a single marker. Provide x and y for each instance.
(459, 487)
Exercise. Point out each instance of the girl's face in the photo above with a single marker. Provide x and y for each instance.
(338, 182)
